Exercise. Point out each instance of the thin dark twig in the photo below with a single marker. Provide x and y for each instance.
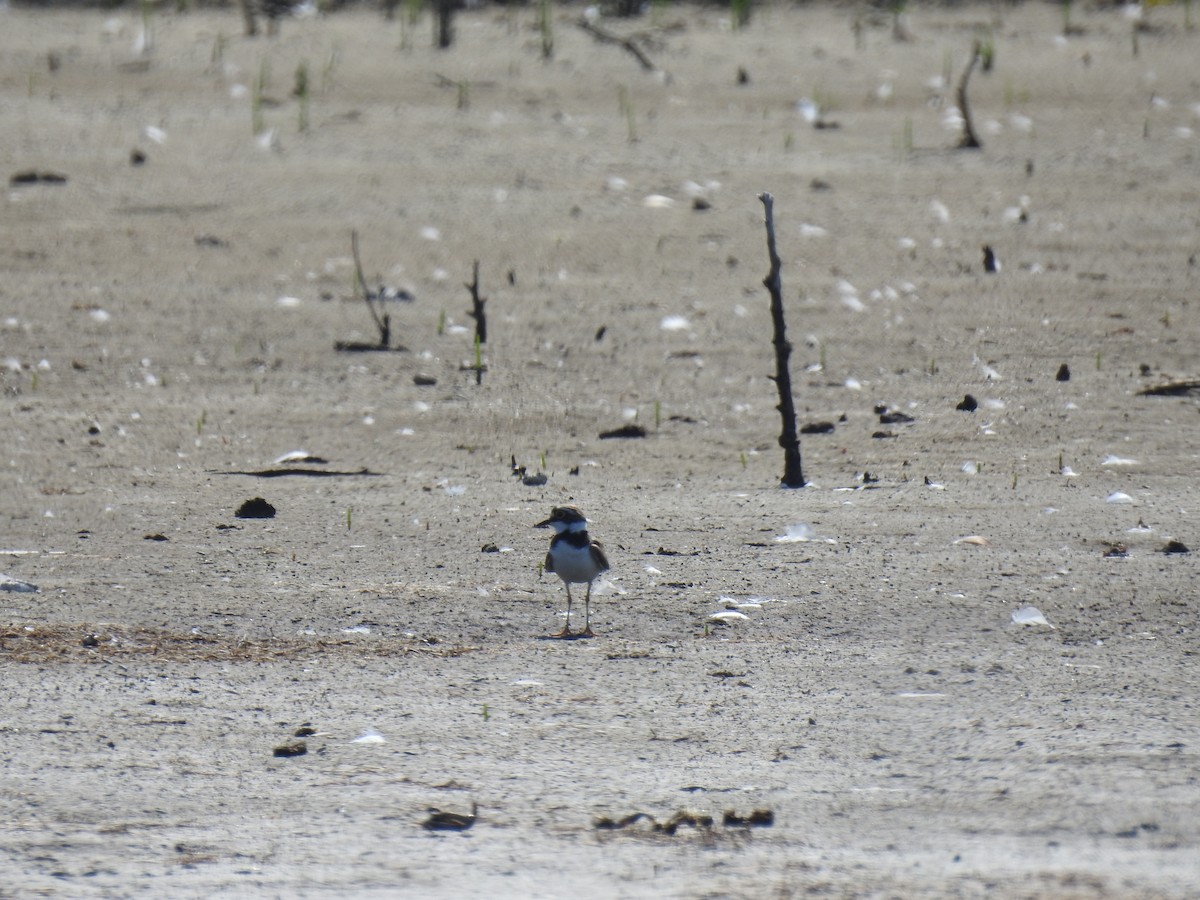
(793, 472)
(970, 141)
(607, 37)
(476, 311)
(383, 323)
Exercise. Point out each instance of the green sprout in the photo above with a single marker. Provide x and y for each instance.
(625, 105)
(546, 28)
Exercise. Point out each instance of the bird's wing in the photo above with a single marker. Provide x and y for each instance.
(549, 566)
(598, 555)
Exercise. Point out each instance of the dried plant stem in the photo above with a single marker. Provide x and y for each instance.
(789, 440)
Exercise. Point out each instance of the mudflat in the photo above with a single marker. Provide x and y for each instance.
(790, 692)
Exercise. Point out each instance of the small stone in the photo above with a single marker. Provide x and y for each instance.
(817, 428)
(991, 265)
(625, 431)
(257, 508)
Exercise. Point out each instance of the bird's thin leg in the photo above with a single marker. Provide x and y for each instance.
(566, 630)
(587, 613)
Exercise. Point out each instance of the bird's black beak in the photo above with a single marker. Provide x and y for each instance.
(545, 524)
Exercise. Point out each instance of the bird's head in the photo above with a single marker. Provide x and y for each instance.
(565, 518)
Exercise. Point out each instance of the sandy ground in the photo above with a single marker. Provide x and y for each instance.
(168, 325)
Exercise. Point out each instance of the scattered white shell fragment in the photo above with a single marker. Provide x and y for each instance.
(1118, 497)
(952, 119)
(988, 372)
(1113, 460)
(100, 315)
(801, 532)
(939, 210)
(650, 570)
(430, 233)
(812, 231)
(675, 323)
(731, 603)
(370, 736)
(809, 111)
(1140, 528)
(615, 184)
(728, 617)
(288, 302)
(293, 456)
(973, 539)
(1068, 472)
(853, 384)
(657, 201)
(455, 490)
(155, 134)
(970, 467)
(356, 629)
(1029, 615)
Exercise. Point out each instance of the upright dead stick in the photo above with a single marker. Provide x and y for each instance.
(383, 323)
(476, 311)
(969, 139)
(789, 440)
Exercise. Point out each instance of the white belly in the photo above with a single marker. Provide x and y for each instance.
(574, 565)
